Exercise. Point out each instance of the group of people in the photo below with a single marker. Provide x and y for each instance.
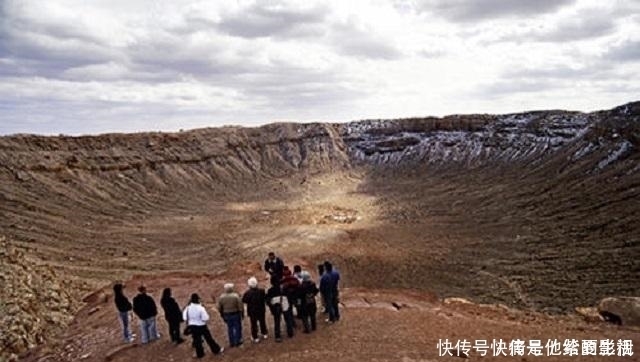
(291, 295)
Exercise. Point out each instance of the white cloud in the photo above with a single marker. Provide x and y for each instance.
(73, 66)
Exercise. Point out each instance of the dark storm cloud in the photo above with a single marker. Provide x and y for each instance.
(42, 55)
(580, 27)
(37, 47)
(476, 10)
(269, 20)
(628, 51)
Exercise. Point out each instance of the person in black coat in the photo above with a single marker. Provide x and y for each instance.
(172, 314)
(308, 306)
(145, 308)
(124, 309)
(255, 298)
(278, 305)
(274, 266)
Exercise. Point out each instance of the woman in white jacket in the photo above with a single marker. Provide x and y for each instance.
(197, 317)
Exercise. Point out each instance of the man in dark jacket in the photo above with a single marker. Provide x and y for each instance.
(145, 308)
(320, 274)
(335, 277)
(274, 266)
(255, 298)
(329, 290)
(124, 308)
(308, 306)
(172, 314)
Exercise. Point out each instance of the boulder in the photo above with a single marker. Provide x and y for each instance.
(456, 300)
(621, 310)
(111, 354)
(590, 314)
(96, 297)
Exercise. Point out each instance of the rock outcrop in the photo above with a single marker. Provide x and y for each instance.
(621, 310)
(476, 140)
(34, 304)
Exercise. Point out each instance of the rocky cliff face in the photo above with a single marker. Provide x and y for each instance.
(118, 175)
(479, 140)
(278, 149)
(231, 151)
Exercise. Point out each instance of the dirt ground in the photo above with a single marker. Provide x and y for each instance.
(375, 325)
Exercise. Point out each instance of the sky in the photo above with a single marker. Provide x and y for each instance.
(86, 67)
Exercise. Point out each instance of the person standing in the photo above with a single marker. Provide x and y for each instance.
(232, 312)
(329, 290)
(278, 304)
(320, 274)
(196, 317)
(297, 272)
(172, 314)
(308, 306)
(274, 266)
(255, 299)
(291, 289)
(145, 308)
(335, 277)
(124, 308)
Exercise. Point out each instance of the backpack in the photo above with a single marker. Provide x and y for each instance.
(309, 299)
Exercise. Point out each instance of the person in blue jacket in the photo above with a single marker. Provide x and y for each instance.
(330, 292)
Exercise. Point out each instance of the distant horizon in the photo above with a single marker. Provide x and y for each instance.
(184, 130)
(113, 66)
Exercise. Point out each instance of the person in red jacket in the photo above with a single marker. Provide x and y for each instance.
(291, 289)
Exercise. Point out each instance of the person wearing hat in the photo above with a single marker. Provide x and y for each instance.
(196, 317)
(145, 308)
(255, 298)
(232, 312)
(308, 306)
